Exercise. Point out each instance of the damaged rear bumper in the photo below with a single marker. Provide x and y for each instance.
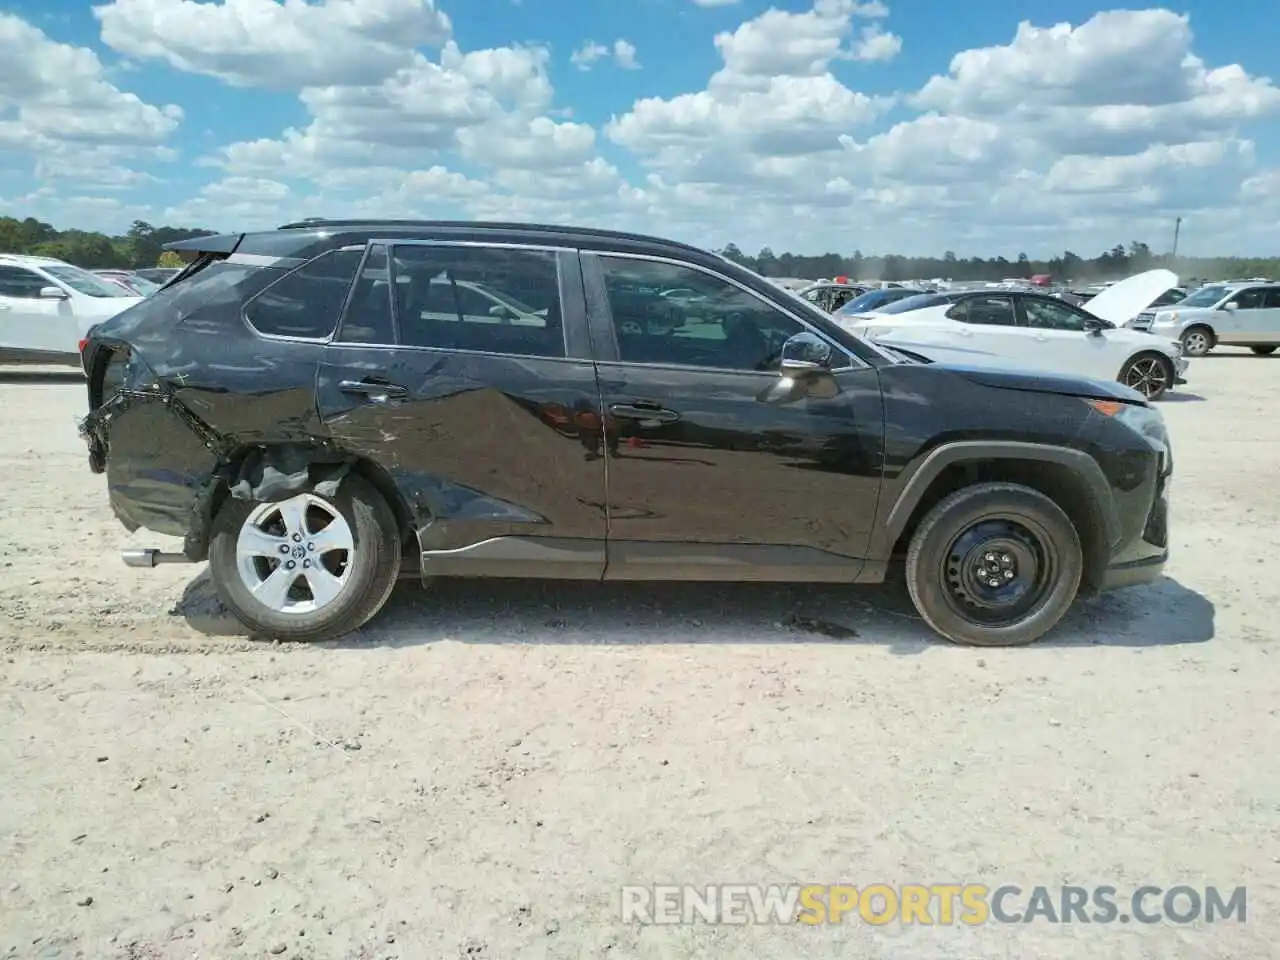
(161, 465)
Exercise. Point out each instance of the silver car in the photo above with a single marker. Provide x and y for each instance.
(1228, 314)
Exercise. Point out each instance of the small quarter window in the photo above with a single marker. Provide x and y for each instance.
(307, 302)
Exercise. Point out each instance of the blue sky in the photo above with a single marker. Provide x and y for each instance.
(842, 126)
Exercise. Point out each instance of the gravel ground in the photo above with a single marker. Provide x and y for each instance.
(478, 773)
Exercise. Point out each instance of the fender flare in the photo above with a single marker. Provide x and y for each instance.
(927, 469)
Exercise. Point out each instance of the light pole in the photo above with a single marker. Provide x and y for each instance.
(1177, 228)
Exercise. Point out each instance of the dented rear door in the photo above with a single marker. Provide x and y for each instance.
(489, 426)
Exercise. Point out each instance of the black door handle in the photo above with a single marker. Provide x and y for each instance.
(643, 411)
(377, 391)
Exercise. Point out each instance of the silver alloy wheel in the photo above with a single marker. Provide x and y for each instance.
(1195, 343)
(1147, 375)
(295, 556)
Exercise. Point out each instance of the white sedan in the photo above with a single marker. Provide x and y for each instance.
(1028, 330)
(48, 305)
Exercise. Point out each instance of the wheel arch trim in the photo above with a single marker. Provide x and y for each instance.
(931, 465)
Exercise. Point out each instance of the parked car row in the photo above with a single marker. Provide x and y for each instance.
(1022, 327)
(647, 411)
(47, 305)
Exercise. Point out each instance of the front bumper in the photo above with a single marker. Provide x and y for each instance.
(1144, 559)
(1135, 572)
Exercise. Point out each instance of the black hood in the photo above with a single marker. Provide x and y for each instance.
(1042, 382)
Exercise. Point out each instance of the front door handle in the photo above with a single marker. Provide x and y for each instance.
(375, 390)
(643, 411)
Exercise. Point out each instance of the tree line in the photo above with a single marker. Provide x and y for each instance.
(143, 245)
(1119, 261)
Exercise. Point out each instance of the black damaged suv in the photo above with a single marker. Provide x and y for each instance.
(311, 407)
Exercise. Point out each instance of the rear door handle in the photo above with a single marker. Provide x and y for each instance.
(376, 390)
(640, 410)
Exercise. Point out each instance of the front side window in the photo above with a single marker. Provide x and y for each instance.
(985, 311)
(1049, 315)
(307, 302)
(1248, 300)
(491, 299)
(21, 283)
(720, 325)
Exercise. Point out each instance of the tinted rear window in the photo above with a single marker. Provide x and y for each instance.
(917, 302)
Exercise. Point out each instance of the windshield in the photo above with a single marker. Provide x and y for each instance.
(874, 299)
(82, 281)
(918, 302)
(142, 285)
(1205, 297)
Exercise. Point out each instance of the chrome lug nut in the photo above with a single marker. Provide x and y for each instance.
(297, 538)
(289, 565)
(284, 548)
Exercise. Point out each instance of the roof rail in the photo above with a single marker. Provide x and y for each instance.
(313, 222)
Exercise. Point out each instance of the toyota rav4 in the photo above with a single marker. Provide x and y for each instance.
(311, 407)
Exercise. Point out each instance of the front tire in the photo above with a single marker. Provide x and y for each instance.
(309, 567)
(1197, 341)
(994, 565)
(1151, 374)
(1263, 351)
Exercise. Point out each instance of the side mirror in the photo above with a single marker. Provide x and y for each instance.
(501, 312)
(804, 355)
(53, 293)
(1231, 307)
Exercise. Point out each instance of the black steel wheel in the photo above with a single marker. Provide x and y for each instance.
(994, 564)
(997, 570)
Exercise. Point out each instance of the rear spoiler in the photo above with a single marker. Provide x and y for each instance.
(224, 243)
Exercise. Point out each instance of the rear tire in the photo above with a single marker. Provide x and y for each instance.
(1263, 351)
(1197, 341)
(1151, 374)
(345, 550)
(1001, 533)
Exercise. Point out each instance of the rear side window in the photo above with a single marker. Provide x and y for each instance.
(307, 302)
(490, 299)
(1272, 301)
(988, 311)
